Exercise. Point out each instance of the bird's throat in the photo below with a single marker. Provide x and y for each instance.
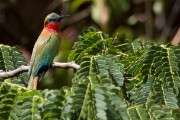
(54, 27)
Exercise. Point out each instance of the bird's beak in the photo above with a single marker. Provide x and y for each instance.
(62, 16)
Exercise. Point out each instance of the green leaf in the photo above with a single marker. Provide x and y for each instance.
(90, 42)
(9, 95)
(10, 59)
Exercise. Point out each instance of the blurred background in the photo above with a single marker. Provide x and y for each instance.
(21, 22)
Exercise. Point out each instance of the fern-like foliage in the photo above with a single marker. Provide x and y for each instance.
(9, 94)
(115, 81)
(158, 77)
(11, 58)
(150, 112)
(90, 42)
(97, 78)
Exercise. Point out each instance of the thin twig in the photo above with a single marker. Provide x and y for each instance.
(14, 72)
(65, 65)
(26, 68)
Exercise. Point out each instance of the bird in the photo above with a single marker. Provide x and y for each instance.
(45, 49)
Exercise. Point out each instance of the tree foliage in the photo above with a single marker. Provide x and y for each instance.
(117, 81)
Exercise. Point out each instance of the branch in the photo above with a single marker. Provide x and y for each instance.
(65, 65)
(26, 68)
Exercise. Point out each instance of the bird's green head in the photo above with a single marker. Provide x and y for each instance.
(53, 18)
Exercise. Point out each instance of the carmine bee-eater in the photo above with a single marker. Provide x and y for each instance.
(45, 49)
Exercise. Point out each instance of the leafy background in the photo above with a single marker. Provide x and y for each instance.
(133, 80)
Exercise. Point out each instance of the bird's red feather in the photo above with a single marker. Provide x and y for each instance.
(53, 26)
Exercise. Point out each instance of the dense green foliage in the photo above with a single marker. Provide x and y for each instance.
(116, 81)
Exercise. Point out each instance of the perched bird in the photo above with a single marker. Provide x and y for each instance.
(45, 49)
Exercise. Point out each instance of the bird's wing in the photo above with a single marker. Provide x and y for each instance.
(43, 54)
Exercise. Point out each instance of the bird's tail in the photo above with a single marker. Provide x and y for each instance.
(33, 82)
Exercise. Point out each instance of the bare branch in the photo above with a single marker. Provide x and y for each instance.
(26, 68)
(14, 72)
(65, 65)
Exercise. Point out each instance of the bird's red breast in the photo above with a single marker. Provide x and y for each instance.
(53, 26)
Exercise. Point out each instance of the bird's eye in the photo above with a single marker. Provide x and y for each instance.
(50, 20)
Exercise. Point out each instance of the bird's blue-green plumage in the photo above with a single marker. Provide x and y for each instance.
(44, 52)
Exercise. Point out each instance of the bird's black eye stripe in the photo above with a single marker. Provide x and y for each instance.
(51, 20)
(54, 20)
